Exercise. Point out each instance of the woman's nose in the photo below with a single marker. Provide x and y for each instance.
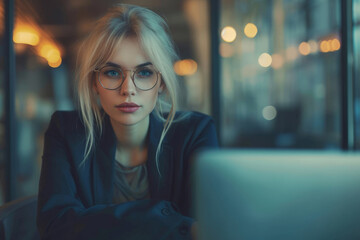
(128, 87)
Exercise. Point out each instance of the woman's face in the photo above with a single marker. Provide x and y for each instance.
(128, 105)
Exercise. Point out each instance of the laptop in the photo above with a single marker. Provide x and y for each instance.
(277, 194)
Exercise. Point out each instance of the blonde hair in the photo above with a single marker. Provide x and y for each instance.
(153, 35)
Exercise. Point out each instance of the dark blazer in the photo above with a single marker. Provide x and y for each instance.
(75, 202)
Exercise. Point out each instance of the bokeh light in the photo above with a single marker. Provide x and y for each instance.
(265, 60)
(330, 45)
(26, 34)
(325, 46)
(228, 34)
(269, 112)
(185, 67)
(304, 48)
(250, 30)
(51, 53)
(56, 63)
(29, 33)
(335, 44)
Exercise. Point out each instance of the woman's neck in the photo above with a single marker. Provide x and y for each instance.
(130, 137)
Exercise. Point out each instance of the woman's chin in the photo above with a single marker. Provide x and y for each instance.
(127, 119)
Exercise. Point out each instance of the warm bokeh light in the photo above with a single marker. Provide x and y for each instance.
(55, 64)
(228, 34)
(265, 60)
(335, 44)
(46, 50)
(291, 53)
(51, 53)
(325, 46)
(250, 30)
(185, 67)
(28, 32)
(330, 45)
(277, 61)
(314, 48)
(226, 50)
(269, 112)
(304, 48)
(25, 34)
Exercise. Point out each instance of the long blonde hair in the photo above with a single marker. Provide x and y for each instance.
(152, 32)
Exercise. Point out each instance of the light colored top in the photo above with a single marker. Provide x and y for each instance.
(130, 183)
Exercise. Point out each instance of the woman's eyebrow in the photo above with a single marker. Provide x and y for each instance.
(117, 65)
(144, 64)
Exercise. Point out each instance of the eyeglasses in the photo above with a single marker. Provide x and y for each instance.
(144, 78)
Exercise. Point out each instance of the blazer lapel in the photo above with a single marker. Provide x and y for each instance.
(160, 186)
(103, 169)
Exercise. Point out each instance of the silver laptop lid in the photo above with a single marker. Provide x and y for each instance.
(257, 194)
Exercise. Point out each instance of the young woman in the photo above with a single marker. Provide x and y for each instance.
(119, 167)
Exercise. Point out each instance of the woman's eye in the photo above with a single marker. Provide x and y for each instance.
(112, 73)
(144, 73)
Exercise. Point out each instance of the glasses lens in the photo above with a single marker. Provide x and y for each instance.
(111, 77)
(145, 78)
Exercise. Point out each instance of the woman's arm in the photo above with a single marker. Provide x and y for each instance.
(62, 215)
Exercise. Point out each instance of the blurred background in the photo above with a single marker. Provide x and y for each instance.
(272, 73)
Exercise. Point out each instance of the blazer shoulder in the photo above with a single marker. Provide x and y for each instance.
(191, 123)
(193, 118)
(194, 130)
(66, 122)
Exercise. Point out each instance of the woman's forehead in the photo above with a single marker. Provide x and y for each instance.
(128, 53)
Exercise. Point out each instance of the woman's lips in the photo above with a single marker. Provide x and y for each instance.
(128, 107)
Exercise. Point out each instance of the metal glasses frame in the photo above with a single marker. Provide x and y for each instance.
(132, 76)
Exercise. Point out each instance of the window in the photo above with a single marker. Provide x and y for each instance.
(281, 73)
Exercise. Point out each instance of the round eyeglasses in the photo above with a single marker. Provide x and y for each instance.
(144, 78)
